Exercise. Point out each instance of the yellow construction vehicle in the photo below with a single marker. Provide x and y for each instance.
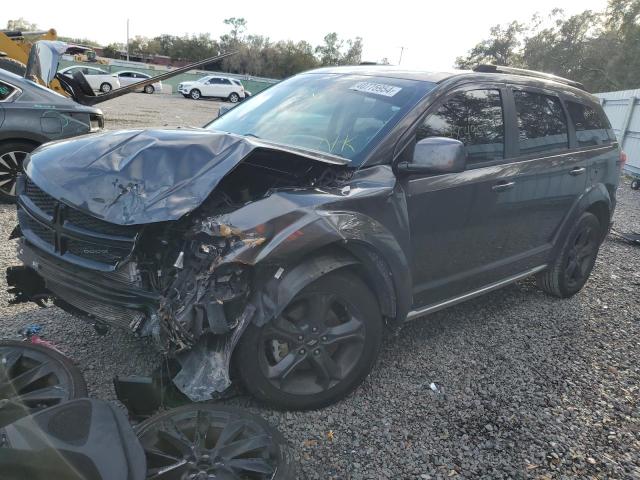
(15, 47)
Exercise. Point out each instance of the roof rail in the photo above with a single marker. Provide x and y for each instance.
(488, 68)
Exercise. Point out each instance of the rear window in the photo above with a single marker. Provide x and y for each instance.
(592, 127)
(542, 125)
(5, 91)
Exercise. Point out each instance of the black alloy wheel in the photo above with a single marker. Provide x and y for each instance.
(569, 272)
(12, 156)
(581, 256)
(210, 442)
(318, 350)
(33, 377)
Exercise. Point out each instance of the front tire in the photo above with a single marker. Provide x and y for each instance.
(12, 155)
(571, 269)
(106, 87)
(149, 89)
(195, 94)
(234, 97)
(318, 350)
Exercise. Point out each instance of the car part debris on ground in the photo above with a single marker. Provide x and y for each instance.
(33, 377)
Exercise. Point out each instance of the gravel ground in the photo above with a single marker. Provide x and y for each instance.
(528, 386)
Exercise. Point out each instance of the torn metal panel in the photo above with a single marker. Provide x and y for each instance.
(205, 368)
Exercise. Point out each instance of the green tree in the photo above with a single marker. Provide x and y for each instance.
(329, 52)
(501, 48)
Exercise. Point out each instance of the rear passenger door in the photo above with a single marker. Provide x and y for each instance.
(545, 177)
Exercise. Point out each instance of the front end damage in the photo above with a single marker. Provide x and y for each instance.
(192, 269)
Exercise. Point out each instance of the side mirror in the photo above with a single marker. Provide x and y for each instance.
(436, 155)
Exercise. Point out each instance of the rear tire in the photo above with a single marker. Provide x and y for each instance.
(106, 87)
(12, 155)
(13, 66)
(149, 89)
(234, 98)
(571, 269)
(318, 350)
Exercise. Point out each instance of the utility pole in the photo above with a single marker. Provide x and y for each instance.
(401, 52)
(127, 39)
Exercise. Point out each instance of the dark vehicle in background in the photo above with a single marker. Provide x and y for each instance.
(31, 115)
(295, 231)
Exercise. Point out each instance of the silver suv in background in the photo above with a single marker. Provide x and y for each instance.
(216, 86)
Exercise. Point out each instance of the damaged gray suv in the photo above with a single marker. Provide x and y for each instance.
(288, 237)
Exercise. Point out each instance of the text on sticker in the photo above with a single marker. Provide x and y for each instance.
(377, 88)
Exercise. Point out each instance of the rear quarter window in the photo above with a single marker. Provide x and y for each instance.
(592, 126)
(5, 91)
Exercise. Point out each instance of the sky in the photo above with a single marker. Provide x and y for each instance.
(433, 34)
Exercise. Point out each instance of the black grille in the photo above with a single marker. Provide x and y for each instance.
(41, 199)
(70, 233)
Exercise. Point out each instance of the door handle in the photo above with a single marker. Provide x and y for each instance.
(502, 185)
(577, 171)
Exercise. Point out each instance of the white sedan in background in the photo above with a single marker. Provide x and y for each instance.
(127, 77)
(213, 86)
(99, 79)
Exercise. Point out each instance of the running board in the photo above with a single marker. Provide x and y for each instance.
(413, 314)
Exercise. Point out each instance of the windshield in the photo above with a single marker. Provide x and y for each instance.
(343, 115)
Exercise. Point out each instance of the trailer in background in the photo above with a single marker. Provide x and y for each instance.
(624, 114)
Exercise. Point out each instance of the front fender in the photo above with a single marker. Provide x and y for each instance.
(293, 226)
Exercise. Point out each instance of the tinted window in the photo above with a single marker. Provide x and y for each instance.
(214, 81)
(225, 81)
(541, 122)
(473, 117)
(126, 74)
(5, 91)
(590, 124)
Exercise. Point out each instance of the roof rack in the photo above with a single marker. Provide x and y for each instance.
(488, 68)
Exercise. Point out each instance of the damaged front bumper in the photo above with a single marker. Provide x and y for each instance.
(116, 298)
(111, 297)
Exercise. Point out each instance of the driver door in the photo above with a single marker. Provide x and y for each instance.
(456, 235)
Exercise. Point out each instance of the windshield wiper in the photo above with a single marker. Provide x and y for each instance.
(249, 134)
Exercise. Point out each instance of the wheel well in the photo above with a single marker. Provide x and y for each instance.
(601, 211)
(23, 140)
(374, 271)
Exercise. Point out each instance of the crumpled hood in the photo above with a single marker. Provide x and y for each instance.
(142, 176)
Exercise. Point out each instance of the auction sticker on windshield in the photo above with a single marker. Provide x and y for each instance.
(376, 88)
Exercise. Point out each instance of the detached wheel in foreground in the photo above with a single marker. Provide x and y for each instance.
(570, 271)
(319, 350)
(635, 184)
(207, 442)
(12, 156)
(33, 377)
